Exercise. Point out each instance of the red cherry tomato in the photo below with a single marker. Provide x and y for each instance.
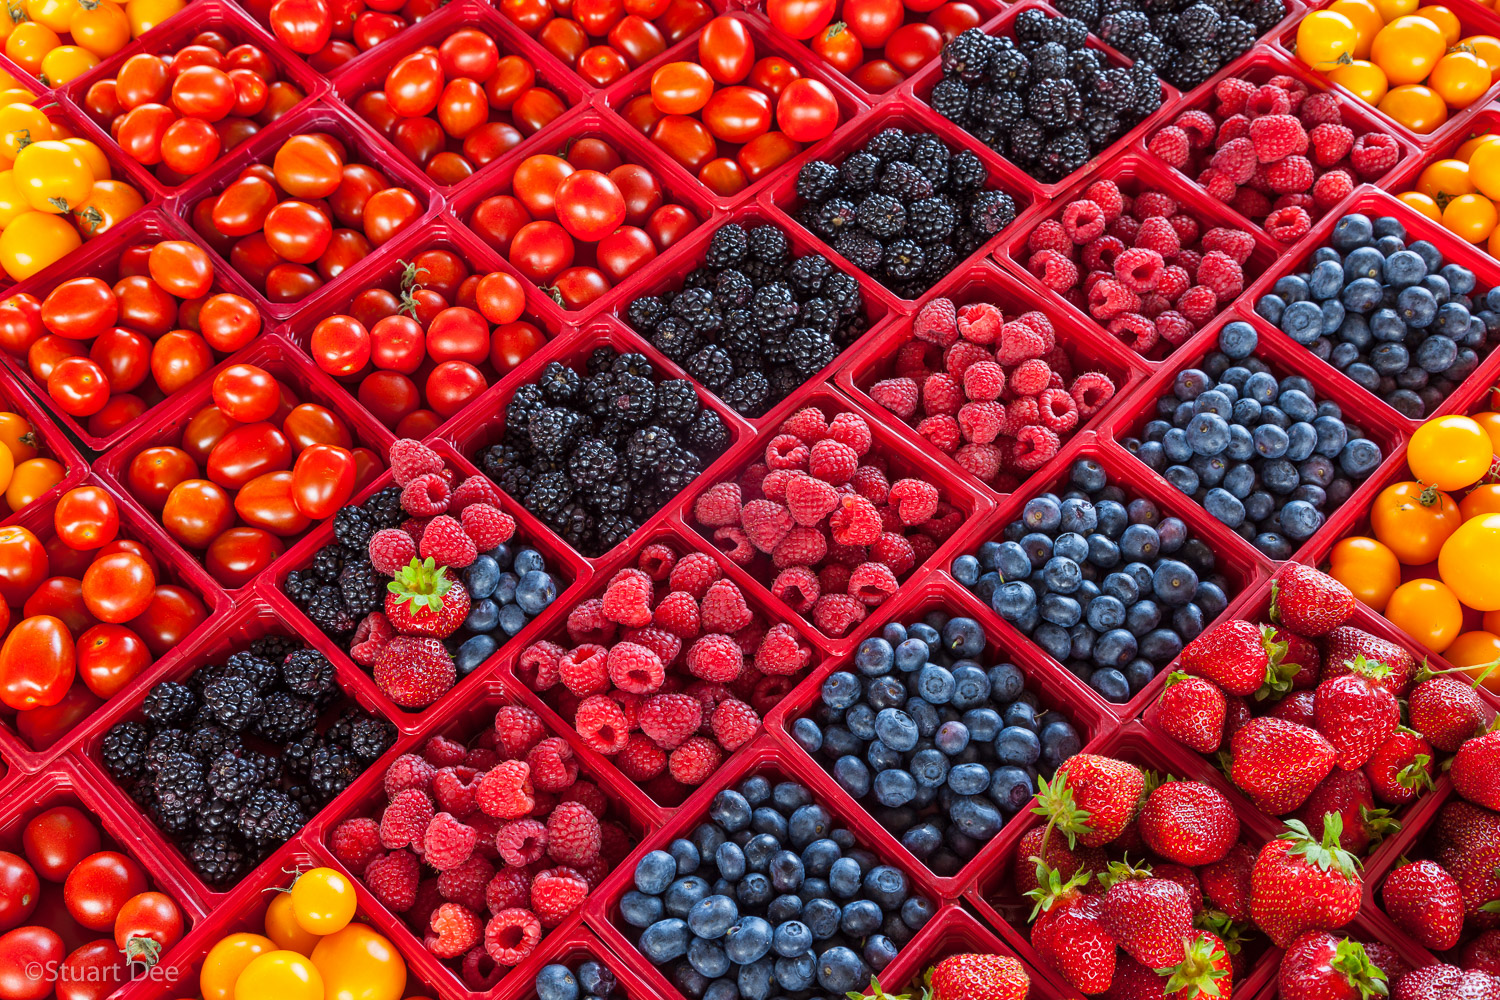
(589, 205)
(953, 19)
(228, 322)
(86, 518)
(801, 18)
(807, 111)
(723, 177)
(248, 451)
(726, 50)
(19, 890)
(340, 345)
(468, 52)
(738, 114)
(235, 557)
(80, 309)
(179, 357)
(681, 87)
(174, 614)
(540, 251)
(512, 343)
(765, 153)
(578, 286)
(118, 587)
(149, 923)
(837, 44)
(912, 46)
(389, 396)
(669, 224)
(414, 84)
(57, 839)
(322, 480)
(92, 971)
(877, 76)
(623, 252)
(78, 386)
(23, 952)
(873, 21)
(637, 39)
(686, 140)
(303, 25)
(246, 393)
(62, 598)
(37, 663)
(110, 657)
(458, 334)
(772, 74)
(99, 885)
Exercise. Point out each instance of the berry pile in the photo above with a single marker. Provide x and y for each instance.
(942, 750)
(595, 454)
(589, 979)
(821, 505)
(232, 761)
(1108, 586)
(1261, 454)
(770, 893)
(1276, 153)
(421, 584)
(1047, 101)
(1144, 267)
(1188, 41)
(483, 848)
(1388, 312)
(753, 323)
(905, 209)
(999, 396)
(668, 671)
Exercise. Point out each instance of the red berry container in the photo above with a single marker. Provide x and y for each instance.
(568, 569)
(871, 360)
(462, 721)
(905, 460)
(954, 930)
(1058, 690)
(297, 376)
(50, 440)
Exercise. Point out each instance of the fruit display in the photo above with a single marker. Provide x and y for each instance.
(329, 35)
(1416, 64)
(581, 223)
(56, 43)
(39, 457)
(1454, 178)
(1040, 95)
(602, 42)
(569, 981)
(877, 44)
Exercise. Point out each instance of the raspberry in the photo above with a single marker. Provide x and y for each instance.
(1109, 298)
(1331, 142)
(371, 635)
(426, 495)
(781, 652)
(455, 930)
(834, 578)
(443, 752)
(670, 718)
(855, 522)
(600, 720)
(1035, 446)
(583, 670)
(510, 887)
(1236, 159)
(1268, 99)
(664, 644)
(1173, 326)
(505, 790)
(693, 573)
(913, 360)
(572, 834)
(893, 550)
(1290, 175)
(1233, 243)
(943, 523)
(1288, 224)
(1332, 188)
(1083, 220)
(453, 789)
(1159, 235)
(627, 599)
(718, 505)
(809, 499)
(715, 657)
(834, 461)
(724, 608)
(1319, 109)
(1058, 411)
(1199, 126)
(1300, 200)
(1124, 229)
(1186, 228)
(766, 523)
(872, 583)
(466, 883)
(1100, 254)
(1050, 235)
(807, 424)
(1222, 274)
(734, 723)
(475, 490)
(980, 423)
(797, 588)
(942, 395)
(942, 432)
(1277, 136)
(1021, 339)
(981, 460)
(656, 561)
(448, 842)
(1198, 304)
(1107, 196)
(773, 487)
(407, 771)
(985, 381)
(641, 760)
(552, 765)
(487, 526)
(511, 936)
(1232, 93)
(446, 543)
(735, 545)
(521, 842)
(391, 549)
(1217, 184)
(692, 763)
(589, 795)
(899, 395)
(849, 429)
(836, 614)
(1250, 202)
(1138, 269)
(405, 819)
(937, 323)
(634, 668)
(1020, 413)
(1173, 282)
(1189, 260)
(1234, 127)
(1056, 271)
(355, 842)
(1171, 146)
(410, 458)
(392, 879)
(481, 758)
(677, 613)
(539, 665)
(915, 499)
(786, 451)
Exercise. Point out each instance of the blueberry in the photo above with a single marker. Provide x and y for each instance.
(1302, 321)
(505, 590)
(1359, 457)
(707, 958)
(786, 868)
(753, 891)
(1140, 542)
(1042, 514)
(1238, 339)
(1087, 474)
(665, 940)
(748, 939)
(1326, 280)
(481, 577)
(962, 637)
(844, 877)
(1078, 515)
(791, 938)
(840, 970)
(841, 689)
(556, 982)
(935, 684)
(807, 823)
(1437, 354)
(1062, 575)
(1012, 560)
(596, 979)
(1116, 647)
(526, 561)
(535, 591)
(1225, 507)
(968, 779)
(1010, 788)
(683, 893)
(1161, 645)
(808, 736)
(707, 837)
(1189, 383)
(686, 853)
(654, 872)
(711, 916)
(1352, 230)
(1299, 520)
(1059, 738)
(759, 850)
(1017, 745)
(1291, 288)
(474, 651)
(821, 916)
(1121, 586)
(730, 810)
(885, 692)
(1267, 307)
(1417, 306)
(639, 909)
(912, 654)
(1143, 616)
(879, 952)
(1272, 545)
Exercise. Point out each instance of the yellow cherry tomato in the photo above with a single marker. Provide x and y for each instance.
(1470, 562)
(1325, 38)
(53, 176)
(226, 960)
(1392, 9)
(322, 901)
(1445, 19)
(1413, 521)
(1471, 217)
(54, 14)
(1422, 203)
(1407, 49)
(29, 43)
(93, 156)
(12, 201)
(31, 479)
(108, 204)
(18, 437)
(1486, 47)
(1366, 20)
(102, 29)
(1428, 611)
(66, 62)
(35, 240)
(21, 124)
(283, 928)
(279, 975)
(1481, 651)
(1460, 78)
(1361, 78)
(1442, 179)
(1417, 107)
(1484, 169)
(147, 14)
(1482, 499)
(1367, 567)
(16, 95)
(1467, 147)
(359, 964)
(8, 20)
(7, 467)
(1450, 452)
(1490, 421)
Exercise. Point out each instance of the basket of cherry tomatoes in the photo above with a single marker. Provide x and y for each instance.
(603, 40)
(331, 33)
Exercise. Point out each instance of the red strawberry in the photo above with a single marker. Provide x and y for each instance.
(1149, 916)
(414, 672)
(1344, 643)
(1206, 970)
(1347, 794)
(1447, 711)
(1299, 884)
(1476, 770)
(1422, 898)
(1236, 714)
(1309, 602)
(1233, 935)
(1240, 657)
(1134, 981)
(1278, 763)
(1091, 798)
(1387, 960)
(1296, 707)
(1226, 884)
(1185, 877)
(1189, 822)
(1319, 966)
(979, 977)
(1401, 768)
(425, 600)
(1483, 954)
(1303, 653)
(1069, 933)
(1446, 982)
(1356, 713)
(1468, 846)
(1067, 861)
(1191, 711)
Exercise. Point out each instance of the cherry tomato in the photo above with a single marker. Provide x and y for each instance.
(418, 424)
(23, 564)
(535, 109)
(228, 322)
(388, 212)
(641, 191)
(669, 224)
(110, 657)
(837, 44)
(340, 345)
(239, 554)
(589, 205)
(373, 305)
(246, 393)
(203, 92)
(468, 52)
(310, 423)
(497, 220)
(196, 512)
(528, 15)
(637, 39)
(357, 186)
(723, 177)
(345, 249)
(489, 142)
(576, 287)
(297, 231)
(512, 343)
(86, 517)
(92, 971)
(597, 16)
(243, 206)
(149, 923)
(765, 153)
(80, 309)
(99, 885)
(19, 890)
(912, 46)
(682, 18)
(389, 396)
(62, 598)
(462, 107)
(248, 451)
(204, 430)
(48, 352)
(681, 88)
(458, 333)
(303, 25)
(118, 587)
(308, 166)
(772, 74)
(641, 113)
(57, 839)
(142, 79)
(500, 297)
(23, 951)
(179, 357)
(452, 384)
(801, 18)
(322, 480)
(738, 114)
(685, 140)
(726, 50)
(541, 250)
(20, 323)
(622, 253)
(44, 727)
(173, 615)
(124, 356)
(290, 282)
(953, 19)
(78, 386)
(877, 76)
(807, 111)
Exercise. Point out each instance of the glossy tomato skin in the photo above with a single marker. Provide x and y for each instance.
(118, 587)
(37, 663)
(236, 556)
(248, 451)
(172, 616)
(686, 140)
(800, 18)
(389, 396)
(589, 205)
(807, 110)
(911, 46)
(62, 598)
(458, 334)
(623, 252)
(266, 502)
(19, 890)
(98, 887)
(22, 951)
(125, 358)
(56, 840)
(110, 657)
(205, 429)
(340, 345)
(738, 114)
(92, 971)
(196, 511)
(451, 385)
(578, 286)
(148, 915)
(322, 480)
(42, 728)
(726, 49)
(80, 309)
(668, 224)
(498, 219)
(512, 343)
(399, 344)
(541, 251)
(86, 518)
(23, 564)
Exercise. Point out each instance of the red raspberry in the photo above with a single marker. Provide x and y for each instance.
(1268, 99)
(1221, 273)
(407, 771)
(833, 578)
(937, 323)
(1277, 136)
(1090, 391)
(355, 842)
(1055, 271)
(487, 526)
(872, 583)
(586, 622)
(1083, 220)
(735, 545)
(552, 765)
(1290, 175)
(1124, 229)
(583, 670)
(786, 451)
(1107, 196)
(1319, 109)
(980, 423)
(1159, 235)
(426, 495)
(447, 543)
(677, 613)
(391, 549)
(455, 929)
(942, 395)
(1236, 159)
(465, 884)
(724, 608)
(810, 499)
(1250, 202)
(1216, 183)
(482, 758)
(505, 790)
(1237, 244)
(1332, 188)
(1198, 304)
(1173, 326)
(1023, 338)
(835, 614)
(850, 429)
(1170, 145)
(773, 487)
(781, 652)
(371, 635)
(715, 658)
(981, 460)
(1035, 446)
(664, 644)
(1100, 254)
(443, 752)
(855, 522)
(511, 936)
(803, 546)
(656, 561)
(670, 718)
(984, 381)
(1186, 228)
(1150, 204)
(1138, 269)
(692, 763)
(572, 834)
(734, 723)
(796, 587)
(1232, 93)
(392, 879)
(1050, 235)
(539, 665)
(899, 395)
(1288, 224)
(693, 573)
(942, 432)
(410, 458)
(475, 490)
(1189, 260)
(510, 887)
(894, 551)
(958, 358)
(719, 505)
(405, 819)
(1173, 282)
(453, 789)
(641, 760)
(923, 545)
(1109, 298)
(916, 500)
(448, 842)
(600, 720)
(1199, 126)
(1331, 142)
(1234, 127)
(766, 523)
(521, 842)
(807, 424)
(834, 461)
(914, 361)
(1058, 411)
(627, 599)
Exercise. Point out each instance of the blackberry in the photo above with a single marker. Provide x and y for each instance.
(890, 144)
(817, 180)
(931, 220)
(1114, 89)
(285, 717)
(1009, 68)
(762, 271)
(1122, 28)
(882, 216)
(1025, 142)
(169, 703)
(812, 350)
(904, 259)
(904, 182)
(695, 306)
(308, 672)
(859, 172)
(775, 348)
(123, 750)
(270, 817)
(179, 773)
(172, 812)
(306, 797)
(362, 588)
(710, 366)
(549, 493)
(370, 737)
(162, 743)
(384, 508)
(1032, 27)
(208, 741)
(297, 585)
(707, 435)
(610, 496)
(1198, 25)
(748, 394)
(941, 258)
(353, 527)
(559, 383)
(332, 771)
(600, 360)
(269, 767)
(843, 291)
(1049, 61)
(698, 277)
(1265, 13)
(992, 211)
(613, 529)
(676, 401)
(215, 816)
(1086, 11)
(328, 562)
(950, 98)
(233, 701)
(818, 314)
(1193, 66)
(808, 272)
(931, 156)
(784, 381)
(675, 338)
(1065, 153)
(861, 250)
(769, 243)
(966, 172)
(635, 399)
(231, 778)
(1069, 32)
(1084, 63)
(593, 462)
(728, 246)
(1150, 50)
(552, 431)
(1054, 103)
(575, 524)
(1147, 87)
(968, 55)
(732, 289)
(1236, 36)
(646, 312)
(525, 401)
(1101, 126)
(833, 217)
(217, 860)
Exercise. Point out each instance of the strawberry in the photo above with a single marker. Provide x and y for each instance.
(1299, 884)
(1191, 711)
(1387, 960)
(1091, 798)
(1206, 970)
(1319, 966)
(425, 600)
(1297, 707)
(1468, 846)
(1233, 936)
(1356, 713)
(1344, 643)
(1236, 714)
(1278, 763)
(1226, 884)
(1239, 656)
(1149, 916)
(1134, 981)
(1422, 898)
(413, 671)
(1446, 982)
(1483, 954)
(1185, 877)
(1302, 653)
(1401, 767)
(978, 977)
(1068, 861)
(1308, 601)
(1347, 794)
(1446, 710)
(1476, 770)
(1069, 933)
(1189, 822)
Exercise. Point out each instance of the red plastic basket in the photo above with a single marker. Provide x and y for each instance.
(51, 441)
(955, 931)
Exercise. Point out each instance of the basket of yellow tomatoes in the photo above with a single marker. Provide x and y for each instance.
(1459, 186)
(55, 41)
